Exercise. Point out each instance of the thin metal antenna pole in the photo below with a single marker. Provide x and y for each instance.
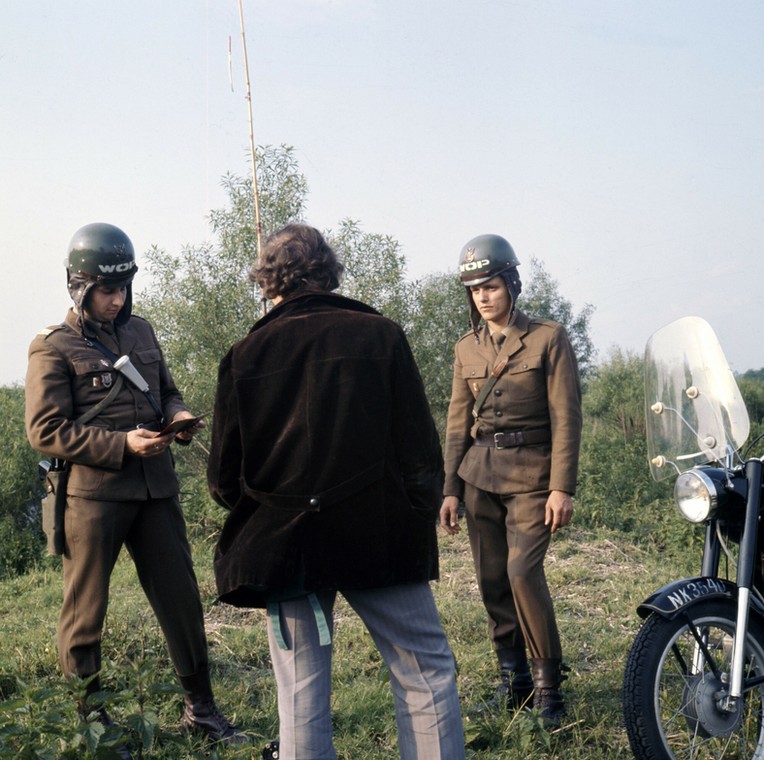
(255, 190)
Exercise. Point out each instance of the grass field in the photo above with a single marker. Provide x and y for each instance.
(597, 581)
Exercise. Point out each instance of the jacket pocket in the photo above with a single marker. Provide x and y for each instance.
(526, 364)
(525, 382)
(475, 375)
(93, 378)
(85, 481)
(148, 355)
(90, 365)
(147, 361)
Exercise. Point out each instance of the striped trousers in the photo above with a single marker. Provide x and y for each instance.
(404, 624)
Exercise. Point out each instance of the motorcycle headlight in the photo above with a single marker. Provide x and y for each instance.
(697, 495)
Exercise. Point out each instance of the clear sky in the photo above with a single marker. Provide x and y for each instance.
(619, 141)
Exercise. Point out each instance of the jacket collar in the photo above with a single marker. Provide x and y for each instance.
(312, 300)
(90, 329)
(515, 333)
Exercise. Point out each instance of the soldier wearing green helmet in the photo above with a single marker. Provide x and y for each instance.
(482, 259)
(512, 442)
(101, 254)
(121, 487)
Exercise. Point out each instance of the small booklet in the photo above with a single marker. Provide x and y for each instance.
(180, 425)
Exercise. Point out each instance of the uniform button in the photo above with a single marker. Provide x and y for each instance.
(473, 373)
(315, 503)
(497, 393)
(498, 414)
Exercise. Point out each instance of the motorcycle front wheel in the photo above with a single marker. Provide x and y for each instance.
(677, 673)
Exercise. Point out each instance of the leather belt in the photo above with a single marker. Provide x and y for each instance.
(504, 439)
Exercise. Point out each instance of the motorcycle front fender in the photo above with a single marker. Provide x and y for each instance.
(674, 597)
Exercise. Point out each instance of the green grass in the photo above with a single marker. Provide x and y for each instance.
(597, 581)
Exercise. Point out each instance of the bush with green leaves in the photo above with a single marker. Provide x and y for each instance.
(55, 719)
(21, 539)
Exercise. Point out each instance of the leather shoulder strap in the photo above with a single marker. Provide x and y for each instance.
(94, 411)
(488, 386)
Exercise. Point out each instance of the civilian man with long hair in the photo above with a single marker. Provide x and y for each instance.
(325, 452)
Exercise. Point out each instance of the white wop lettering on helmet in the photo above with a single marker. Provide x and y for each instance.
(111, 268)
(472, 266)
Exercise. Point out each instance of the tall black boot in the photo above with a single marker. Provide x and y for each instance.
(201, 715)
(516, 685)
(547, 677)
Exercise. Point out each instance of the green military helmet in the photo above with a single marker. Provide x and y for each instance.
(484, 257)
(102, 253)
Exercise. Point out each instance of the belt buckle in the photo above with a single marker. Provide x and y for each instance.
(498, 437)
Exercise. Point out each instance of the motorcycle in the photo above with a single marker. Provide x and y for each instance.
(694, 677)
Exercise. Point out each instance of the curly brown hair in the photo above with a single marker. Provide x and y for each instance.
(295, 258)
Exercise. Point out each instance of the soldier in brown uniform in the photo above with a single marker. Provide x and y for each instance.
(122, 487)
(512, 445)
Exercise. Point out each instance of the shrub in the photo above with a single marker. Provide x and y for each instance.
(21, 537)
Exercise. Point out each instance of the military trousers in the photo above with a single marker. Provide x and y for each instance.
(154, 533)
(509, 542)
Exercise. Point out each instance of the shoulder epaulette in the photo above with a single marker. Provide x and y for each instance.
(468, 334)
(542, 321)
(49, 330)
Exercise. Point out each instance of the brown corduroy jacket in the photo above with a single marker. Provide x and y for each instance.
(325, 452)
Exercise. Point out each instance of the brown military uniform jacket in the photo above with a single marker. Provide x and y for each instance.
(539, 389)
(66, 377)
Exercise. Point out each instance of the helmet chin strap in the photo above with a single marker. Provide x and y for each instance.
(514, 287)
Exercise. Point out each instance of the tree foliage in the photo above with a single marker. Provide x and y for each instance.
(754, 374)
(199, 300)
(751, 386)
(438, 317)
(615, 483)
(21, 539)
(541, 297)
(201, 303)
(375, 270)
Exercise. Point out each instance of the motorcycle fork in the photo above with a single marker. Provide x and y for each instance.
(745, 574)
(709, 569)
(748, 556)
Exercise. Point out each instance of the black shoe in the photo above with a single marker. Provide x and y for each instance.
(271, 751)
(517, 685)
(550, 704)
(203, 717)
(514, 693)
(547, 698)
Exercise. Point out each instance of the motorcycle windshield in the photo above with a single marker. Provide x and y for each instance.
(693, 407)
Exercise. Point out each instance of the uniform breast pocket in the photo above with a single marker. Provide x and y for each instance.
(475, 375)
(94, 376)
(147, 362)
(527, 379)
